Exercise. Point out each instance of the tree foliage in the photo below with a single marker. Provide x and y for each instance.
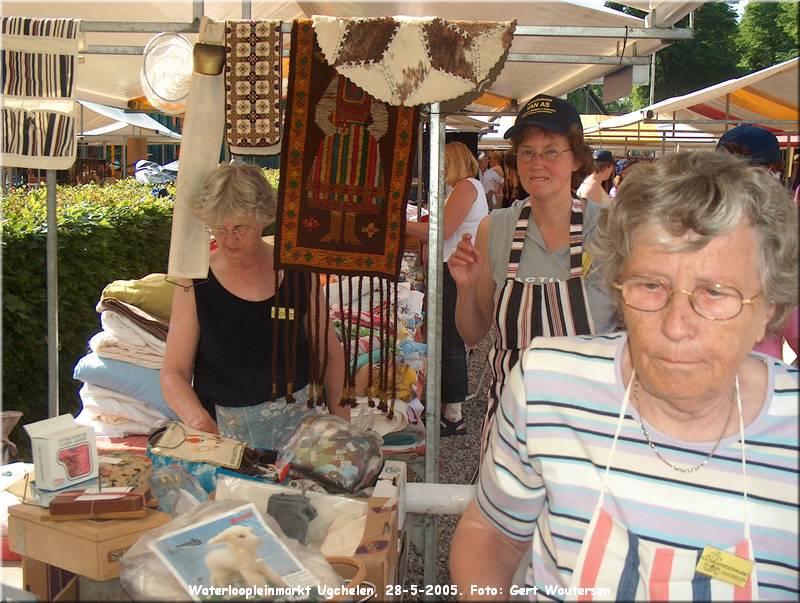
(721, 48)
(767, 34)
(710, 57)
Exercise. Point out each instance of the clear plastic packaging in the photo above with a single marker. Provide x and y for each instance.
(338, 526)
(335, 453)
(145, 576)
(177, 490)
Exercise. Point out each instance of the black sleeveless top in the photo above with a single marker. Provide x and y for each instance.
(233, 363)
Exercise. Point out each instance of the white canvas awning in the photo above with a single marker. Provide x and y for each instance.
(768, 98)
(102, 121)
(114, 79)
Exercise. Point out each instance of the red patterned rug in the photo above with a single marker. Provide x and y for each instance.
(346, 168)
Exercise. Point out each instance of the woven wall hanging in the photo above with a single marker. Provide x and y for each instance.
(346, 167)
(253, 87)
(38, 83)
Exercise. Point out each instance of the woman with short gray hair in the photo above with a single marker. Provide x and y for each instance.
(237, 358)
(723, 190)
(658, 463)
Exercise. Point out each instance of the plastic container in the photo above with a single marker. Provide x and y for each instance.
(166, 70)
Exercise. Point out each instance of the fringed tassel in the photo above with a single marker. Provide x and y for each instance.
(348, 396)
(370, 399)
(326, 333)
(313, 349)
(357, 337)
(383, 356)
(318, 376)
(288, 348)
(275, 325)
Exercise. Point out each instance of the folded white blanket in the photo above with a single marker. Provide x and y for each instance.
(110, 426)
(108, 345)
(100, 401)
(127, 330)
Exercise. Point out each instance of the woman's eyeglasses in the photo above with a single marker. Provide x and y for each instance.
(548, 155)
(714, 302)
(237, 232)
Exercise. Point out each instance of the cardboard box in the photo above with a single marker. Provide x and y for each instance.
(48, 583)
(87, 547)
(64, 453)
(380, 545)
(392, 484)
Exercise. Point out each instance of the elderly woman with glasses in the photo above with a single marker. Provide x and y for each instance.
(661, 463)
(226, 368)
(527, 273)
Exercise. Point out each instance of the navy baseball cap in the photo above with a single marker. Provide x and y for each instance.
(757, 145)
(603, 156)
(548, 112)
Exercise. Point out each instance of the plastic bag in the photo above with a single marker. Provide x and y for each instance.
(145, 575)
(333, 511)
(177, 490)
(335, 453)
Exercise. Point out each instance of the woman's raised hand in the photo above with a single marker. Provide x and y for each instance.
(465, 263)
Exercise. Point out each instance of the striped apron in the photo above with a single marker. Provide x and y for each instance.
(524, 309)
(614, 559)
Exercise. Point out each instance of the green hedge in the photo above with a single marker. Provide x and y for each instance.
(119, 231)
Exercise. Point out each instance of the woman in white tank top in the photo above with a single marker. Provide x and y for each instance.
(464, 208)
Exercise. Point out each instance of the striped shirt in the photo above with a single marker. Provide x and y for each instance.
(549, 446)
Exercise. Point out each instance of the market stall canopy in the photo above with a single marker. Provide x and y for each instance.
(768, 98)
(114, 79)
(102, 121)
(663, 13)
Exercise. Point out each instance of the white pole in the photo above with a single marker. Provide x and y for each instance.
(52, 297)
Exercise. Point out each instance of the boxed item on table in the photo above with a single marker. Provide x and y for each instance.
(87, 547)
(380, 545)
(64, 453)
(93, 503)
(392, 484)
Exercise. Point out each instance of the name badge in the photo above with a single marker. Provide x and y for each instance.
(283, 312)
(724, 566)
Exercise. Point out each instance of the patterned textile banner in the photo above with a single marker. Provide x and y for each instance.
(345, 171)
(38, 79)
(253, 87)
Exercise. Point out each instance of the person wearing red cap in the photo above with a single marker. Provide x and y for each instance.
(526, 272)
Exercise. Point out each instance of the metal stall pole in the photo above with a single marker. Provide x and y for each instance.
(434, 319)
(652, 23)
(52, 297)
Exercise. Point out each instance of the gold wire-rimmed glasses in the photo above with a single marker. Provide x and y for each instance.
(548, 155)
(711, 301)
(237, 232)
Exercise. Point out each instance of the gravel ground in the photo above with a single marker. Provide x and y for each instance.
(458, 461)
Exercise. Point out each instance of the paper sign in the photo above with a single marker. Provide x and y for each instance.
(724, 566)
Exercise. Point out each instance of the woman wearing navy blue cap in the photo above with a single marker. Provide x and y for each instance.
(593, 187)
(534, 279)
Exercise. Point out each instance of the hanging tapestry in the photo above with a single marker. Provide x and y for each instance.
(38, 82)
(253, 87)
(416, 60)
(345, 175)
(345, 171)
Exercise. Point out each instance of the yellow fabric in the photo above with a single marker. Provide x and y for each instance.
(763, 105)
(152, 293)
